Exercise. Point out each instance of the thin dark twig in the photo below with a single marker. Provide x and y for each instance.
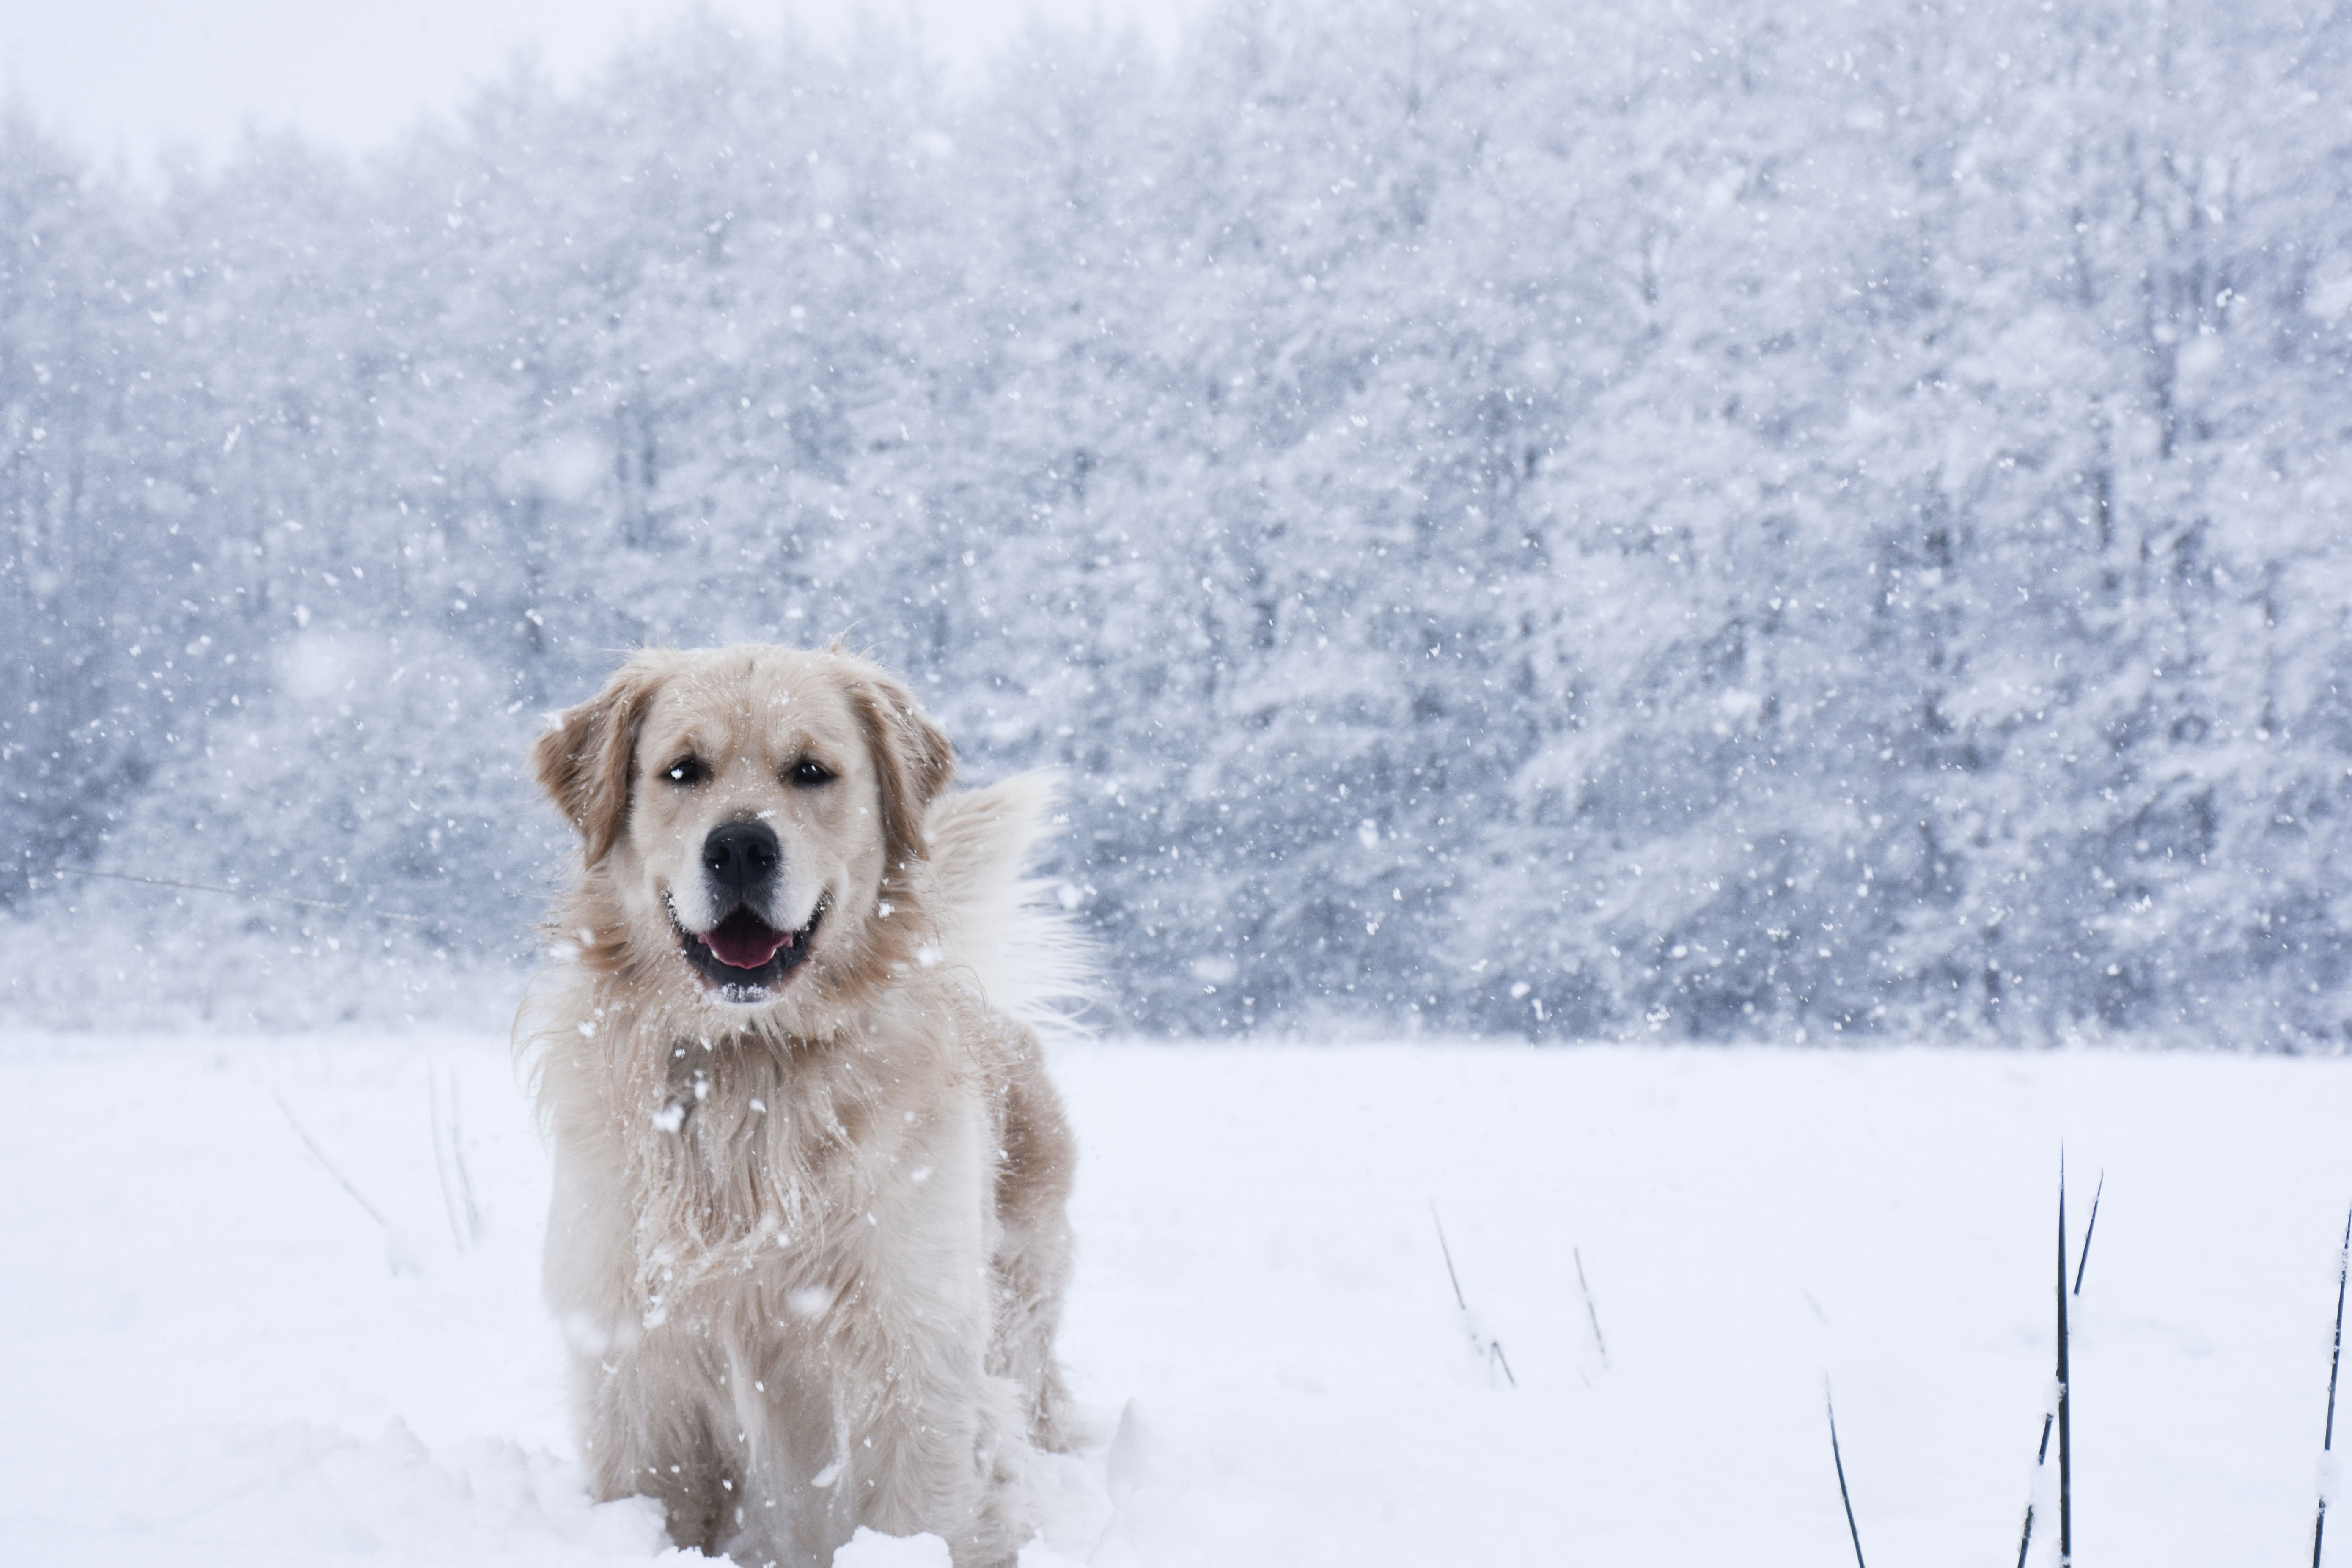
(2065, 1432)
(1838, 1458)
(2089, 1231)
(2334, 1362)
(321, 1155)
(441, 1157)
(1486, 1346)
(450, 1157)
(457, 1158)
(246, 893)
(2041, 1457)
(1590, 1309)
(1449, 1259)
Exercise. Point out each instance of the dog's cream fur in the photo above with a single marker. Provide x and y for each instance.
(808, 1246)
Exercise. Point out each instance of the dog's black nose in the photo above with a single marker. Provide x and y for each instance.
(741, 856)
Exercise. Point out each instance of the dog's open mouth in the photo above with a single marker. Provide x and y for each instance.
(743, 957)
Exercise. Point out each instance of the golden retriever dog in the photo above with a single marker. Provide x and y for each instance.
(808, 1242)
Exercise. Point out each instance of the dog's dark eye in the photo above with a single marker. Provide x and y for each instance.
(808, 774)
(685, 771)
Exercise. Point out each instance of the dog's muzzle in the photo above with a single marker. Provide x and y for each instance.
(741, 956)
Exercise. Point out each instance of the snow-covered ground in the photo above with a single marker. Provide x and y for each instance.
(212, 1358)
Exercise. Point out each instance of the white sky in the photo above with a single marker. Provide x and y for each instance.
(128, 77)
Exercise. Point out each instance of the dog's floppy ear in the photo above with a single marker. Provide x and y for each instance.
(913, 761)
(585, 758)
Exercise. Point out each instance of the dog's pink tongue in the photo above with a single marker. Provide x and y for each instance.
(744, 940)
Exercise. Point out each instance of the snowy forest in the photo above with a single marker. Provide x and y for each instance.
(1720, 521)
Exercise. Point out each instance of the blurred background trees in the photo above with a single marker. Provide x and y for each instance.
(1517, 521)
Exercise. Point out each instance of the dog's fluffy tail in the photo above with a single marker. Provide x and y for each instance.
(997, 922)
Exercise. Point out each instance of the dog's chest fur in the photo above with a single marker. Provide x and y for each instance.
(810, 1173)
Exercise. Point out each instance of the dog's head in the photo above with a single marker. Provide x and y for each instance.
(750, 818)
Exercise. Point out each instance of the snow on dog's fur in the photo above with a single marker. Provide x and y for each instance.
(808, 1242)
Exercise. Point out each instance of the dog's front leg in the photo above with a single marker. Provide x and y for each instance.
(946, 1453)
(640, 1398)
(647, 1433)
(795, 1506)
